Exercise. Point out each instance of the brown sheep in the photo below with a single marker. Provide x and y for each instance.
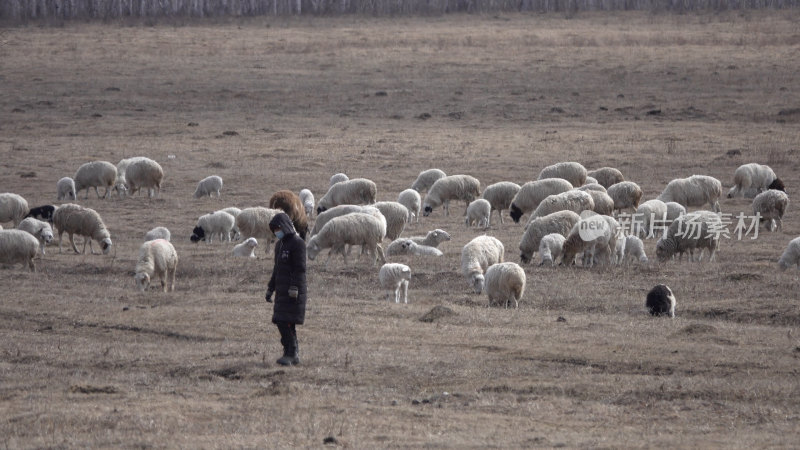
(291, 204)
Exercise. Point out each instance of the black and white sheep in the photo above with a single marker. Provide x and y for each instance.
(13, 208)
(504, 282)
(39, 229)
(208, 186)
(606, 176)
(396, 216)
(337, 178)
(93, 175)
(44, 212)
(752, 179)
(550, 248)
(573, 172)
(394, 279)
(696, 190)
(157, 258)
(626, 194)
(689, 232)
(254, 222)
(358, 191)
(158, 233)
(412, 201)
(307, 197)
(65, 189)
(572, 200)
(532, 193)
(660, 301)
(362, 229)
(791, 255)
(452, 187)
(247, 248)
(426, 178)
(75, 219)
(18, 247)
(560, 222)
(209, 225)
(770, 205)
(477, 256)
(144, 173)
(478, 213)
(500, 195)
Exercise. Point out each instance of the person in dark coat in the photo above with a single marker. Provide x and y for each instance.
(288, 284)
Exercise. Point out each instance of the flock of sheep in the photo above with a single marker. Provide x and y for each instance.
(574, 215)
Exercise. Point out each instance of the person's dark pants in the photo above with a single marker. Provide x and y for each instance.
(288, 338)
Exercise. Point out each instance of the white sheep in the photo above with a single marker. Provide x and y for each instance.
(791, 255)
(476, 256)
(500, 195)
(689, 232)
(573, 172)
(532, 193)
(93, 175)
(590, 180)
(337, 178)
(394, 278)
(603, 203)
(362, 229)
(158, 233)
(358, 191)
(405, 246)
(650, 216)
(660, 301)
(396, 216)
(505, 281)
(412, 201)
(592, 187)
(144, 173)
(752, 179)
(39, 229)
(13, 208)
(550, 248)
(770, 205)
(234, 211)
(572, 200)
(307, 197)
(606, 176)
(75, 219)
(121, 184)
(596, 237)
(560, 222)
(17, 246)
(254, 222)
(625, 194)
(426, 178)
(478, 213)
(212, 224)
(207, 186)
(156, 258)
(696, 190)
(247, 248)
(336, 211)
(674, 210)
(66, 189)
(452, 187)
(630, 247)
(433, 238)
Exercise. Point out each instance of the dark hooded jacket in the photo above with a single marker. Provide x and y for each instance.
(289, 271)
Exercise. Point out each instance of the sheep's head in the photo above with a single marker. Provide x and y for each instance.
(440, 235)
(777, 184)
(406, 245)
(428, 210)
(120, 188)
(312, 249)
(251, 242)
(47, 235)
(106, 245)
(198, 235)
(524, 258)
(515, 213)
(142, 281)
(783, 264)
(477, 280)
(665, 248)
(321, 209)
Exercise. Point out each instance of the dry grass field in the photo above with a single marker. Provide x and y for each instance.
(86, 361)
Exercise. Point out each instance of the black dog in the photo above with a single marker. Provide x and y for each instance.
(44, 212)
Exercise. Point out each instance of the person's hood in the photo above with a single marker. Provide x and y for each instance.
(282, 221)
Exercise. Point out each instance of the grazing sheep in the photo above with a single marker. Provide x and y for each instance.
(75, 219)
(13, 208)
(791, 255)
(216, 223)
(500, 195)
(650, 216)
(404, 246)
(358, 191)
(606, 176)
(532, 193)
(247, 248)
(38, 229)
(426, 178)
(626, 194)
(362, 229)
(93, 175)
(308, 201)
(290, 203)
(505, 281)
(591, 187)
(550, 248)
(396, 216)
(44, 212)
(17, 246)
(630, 247)
(478, 213)
(329, 214)
(121, 184)
(476, 256)
(573, 172)
(452, 187)
(696, 190)
(207, 186)
(337, 178)
(590, 180)
(157, 233)
(234, 211)
(572, 200)
(771, 205)
(603, 203)
(751, 179)
(688, 232)
(660, 301)
(144, 173)
(560, 222)
(254, 222)
(394, 277)
(674, 210)
(595, 236)
(412, 201)
(156, 258)
(66, 189)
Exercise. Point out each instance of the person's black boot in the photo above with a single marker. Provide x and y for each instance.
(286, 360)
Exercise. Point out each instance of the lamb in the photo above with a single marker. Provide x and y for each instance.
(290, 203)
(156, 258)
(603, 203)
(433, 238)
(649, 217)
(362, 229)
(337, 178)
(44, 212)
(500, 195)
(452, 187)
(560, 222)
(66, 189)
(75, 219)
(696, 190)
(157, 233)
(246, 248)
(770, 205)
(38, 229)
(13, 208)
(478, 213)
(532, 193)
(358, 191)
(752, 179)
(93, 175)
(394, 277)
(573, 172)
(607, 176)
(426, 179)
(404, 246)
(505, 281)
(207, 186)
(412, 201)
(630, 247)
(396, 216)
(688, 232)
(550, 248)
(660, 301)
(626, 194)
(476, 256)
(595, 236)
(216, 223)
(254, 222)
(308, 201)
(144, 173)
(17, 246)
(572, 200)
(791, 255)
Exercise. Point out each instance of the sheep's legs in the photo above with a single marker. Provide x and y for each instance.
(405, 291)
(72, 241)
